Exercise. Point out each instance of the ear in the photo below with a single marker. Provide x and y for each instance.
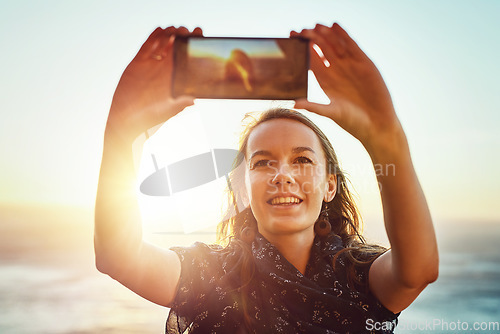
(331, 189)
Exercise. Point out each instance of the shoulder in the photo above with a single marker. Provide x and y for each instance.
(205, 278)
(212, 257)
(198, 249)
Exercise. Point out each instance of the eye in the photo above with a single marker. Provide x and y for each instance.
(261, 163)
(303, 160)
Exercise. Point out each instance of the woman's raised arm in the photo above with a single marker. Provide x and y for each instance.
(141, 100)
(361, 105)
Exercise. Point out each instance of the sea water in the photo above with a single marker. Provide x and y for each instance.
(466, 297)
(49, 284)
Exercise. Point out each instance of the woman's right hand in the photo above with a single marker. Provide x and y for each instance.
(143, 96)
(141, 100)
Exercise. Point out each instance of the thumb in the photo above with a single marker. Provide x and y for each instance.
(321, 109)
(178, 104)
(171, 107)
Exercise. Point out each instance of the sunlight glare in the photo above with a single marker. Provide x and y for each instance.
(208, 125)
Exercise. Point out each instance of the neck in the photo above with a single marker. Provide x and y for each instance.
(295, 247)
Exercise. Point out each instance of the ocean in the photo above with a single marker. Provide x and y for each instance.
(48, 282)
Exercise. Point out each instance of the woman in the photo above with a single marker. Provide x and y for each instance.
(277, 274)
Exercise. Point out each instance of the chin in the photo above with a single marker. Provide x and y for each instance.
(287, 226)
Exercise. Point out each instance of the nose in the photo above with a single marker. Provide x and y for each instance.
(283, 175)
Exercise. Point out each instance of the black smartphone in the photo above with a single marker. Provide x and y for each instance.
(240, 68)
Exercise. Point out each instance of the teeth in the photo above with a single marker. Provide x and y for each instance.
(285, 200)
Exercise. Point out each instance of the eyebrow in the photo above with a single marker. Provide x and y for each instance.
(295, 150)
(301, 149)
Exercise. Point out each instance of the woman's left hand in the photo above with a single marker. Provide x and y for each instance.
(359, 99)
(361, 104)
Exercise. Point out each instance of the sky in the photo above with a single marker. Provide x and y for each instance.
(61, 61)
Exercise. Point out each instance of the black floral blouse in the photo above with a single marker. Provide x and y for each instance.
(278, 299)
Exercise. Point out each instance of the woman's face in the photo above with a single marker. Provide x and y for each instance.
(286, 177)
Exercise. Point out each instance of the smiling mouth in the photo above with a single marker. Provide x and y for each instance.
(284, 201)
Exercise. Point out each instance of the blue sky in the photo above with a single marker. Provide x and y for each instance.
(61, 61)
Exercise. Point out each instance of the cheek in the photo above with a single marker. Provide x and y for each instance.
(248, 185)
(313, 183)
(257, 185)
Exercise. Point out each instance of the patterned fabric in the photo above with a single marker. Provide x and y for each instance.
(279, 299)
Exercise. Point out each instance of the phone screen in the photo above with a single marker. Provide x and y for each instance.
(240, 68)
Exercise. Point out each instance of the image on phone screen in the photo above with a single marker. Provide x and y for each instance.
(240, 68)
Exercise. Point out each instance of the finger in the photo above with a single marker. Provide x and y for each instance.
(314, 48)
(197, 32)
(317, 62)
(163, 48)
(180, 103)
(316, 51)
(320, 109)
(170, 30)
(182, 31)
(321, 42)
(151, 42)
(328, 75)
(176, 105)
(318, 66)
(171, 107)
(350, 45)
(336, 42)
